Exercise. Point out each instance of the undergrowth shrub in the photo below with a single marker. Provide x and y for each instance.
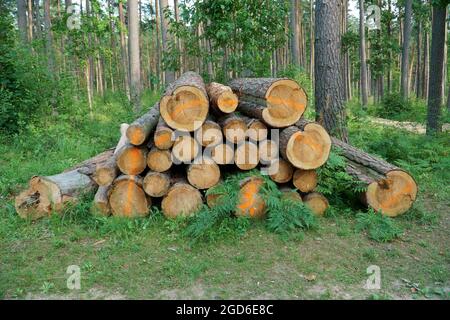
(392, 105)
(379, 228)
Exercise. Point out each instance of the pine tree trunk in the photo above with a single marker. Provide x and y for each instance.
(362, 54)
(404, 87)
(135, 67)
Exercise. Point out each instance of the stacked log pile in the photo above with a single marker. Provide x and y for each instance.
(182, 146)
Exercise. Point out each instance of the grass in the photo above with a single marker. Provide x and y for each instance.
(152, 258)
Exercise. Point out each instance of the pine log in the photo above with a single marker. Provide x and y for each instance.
(106, 172)
(222, 154)
(159, 160)
(185, 149)
(156, 184)
(316, 202)
(139, 131)
(182, 199)
(132, 160)
(221, 98)
(306, 145)
(49, 193)
(100, 204)
(127, 198)
(305, 180)
(250, 203)
(246, 156)
(278, 102)
(290, 194)
(209, 134)
(162, 139)
(185, 104)
(268, 151)
(203, 174)
(234, 128)
(257, 130)
(389, 188)
(280, 171)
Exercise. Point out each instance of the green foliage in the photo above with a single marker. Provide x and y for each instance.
(379, 228)
(302, 77)
(392, 105)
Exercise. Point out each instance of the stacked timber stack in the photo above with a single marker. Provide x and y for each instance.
(182, 146)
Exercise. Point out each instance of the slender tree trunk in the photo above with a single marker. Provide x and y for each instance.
(436, 69)
(37, 19)
(22, 19)
(295, 36)
(169, 75)
(329, 94)
(419, 60)
(135, 68)
(30, 19)
(426, 66)
(49, 50)
(404, 87)
(311, 42)
(362, 54)
(124, 51)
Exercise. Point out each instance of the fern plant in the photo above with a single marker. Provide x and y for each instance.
(379, 228)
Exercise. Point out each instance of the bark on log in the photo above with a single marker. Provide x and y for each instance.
(203, 174)
(139, 131)
(250, 203)
(100, 204)
(48, 193)
(106, 173)
(234, 128)
(221, 98)
(246, 156)
(305, 180)
(278, 102)
(159, 160)
(182, 199)
(157, 184)
(132, 160)
(306, 145)
(389, 188)
(162, 138)
(185, 104)
(290, 194)
(209, 134)
(316, 202)
(127, 198)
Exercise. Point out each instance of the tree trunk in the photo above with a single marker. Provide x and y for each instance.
(182, 199)
(295, 34)
(234, 128)
(436, 69)
(135, 67)
(185, 149)
(316, 202)
(139, 131)
(169, 75)
(362, 54)
(22, 19)
(159, 160)
(30, 19)
(132, 160)
(404, 88)
(157, 184)
(329, 94)
(203, 174)
(210, 134)
(250, 203)
(246, 156)
(127, 198)
(305, 180)
(222, 99)
(280, 171)
(100, 204)
(277, 102)
(124, 51)
(163, 138)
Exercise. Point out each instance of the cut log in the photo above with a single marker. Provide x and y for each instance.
(221, 98)
(203, 174)
(139, 131)
(162, 139)
(250, 203)
(156, 184)
(389, 188)
(246, 156)
(49, 193)
(181, 200)
(257, 130)
(305, 180)
(268, 151)
(185, 104)
(209, 134)
(278, 102)
(127, 198)
(234, 128)
(222, 154)
(185, 149)
(316, 202)
(132, 160)
(307, 149)
(159, 160)
(280, 171)
(214, 199)
(290, 194)
(100, 206)
(106, 172)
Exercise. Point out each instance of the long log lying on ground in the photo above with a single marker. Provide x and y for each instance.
(48, 193)
(221, 98)
(106, 172)
(127, 198)
(162, 138)
(185, 104)
(389, 188)
(139, 131)
(305, 145)
(182, 199)
(278, 102)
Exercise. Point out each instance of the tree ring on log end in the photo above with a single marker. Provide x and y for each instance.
(286, 102)
(186, 109)
(181, 200)
(156, 184)
(132, 160)
(203, 175)
(309, 149)
(393, 195)
(250, 203)
(317, 203)
(227, 102)
(128, 199)
(159, 160)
